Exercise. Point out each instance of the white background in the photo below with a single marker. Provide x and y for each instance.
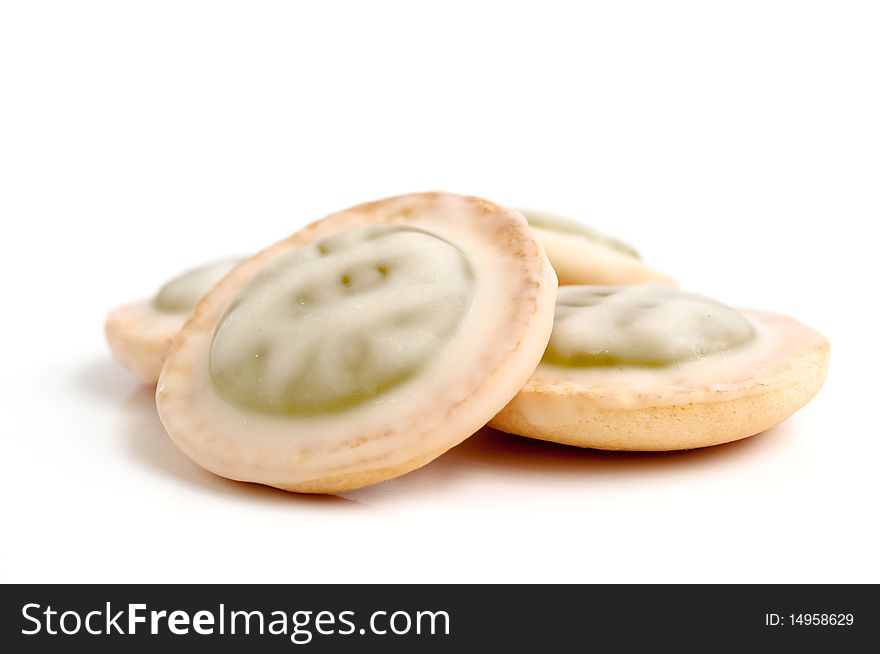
(737, 144)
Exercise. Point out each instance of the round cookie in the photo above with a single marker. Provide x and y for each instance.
(583, 255)
(655, 368)
(361, 347)
(139, 334)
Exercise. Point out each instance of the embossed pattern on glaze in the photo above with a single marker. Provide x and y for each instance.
(338, 322)
(650, 326)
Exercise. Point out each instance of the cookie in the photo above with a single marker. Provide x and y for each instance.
(583, 255)
(361, 347)
(139, 334)
(655, 368)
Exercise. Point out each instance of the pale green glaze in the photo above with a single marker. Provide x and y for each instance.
(556, 223)
(181, 294)
(642, 326)
(336, 323)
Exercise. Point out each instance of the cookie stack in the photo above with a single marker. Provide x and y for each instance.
(372, 341)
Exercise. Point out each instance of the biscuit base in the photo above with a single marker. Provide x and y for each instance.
(139, 338)
(578, 260)
(583, 417)
(412, 424)
(343, 483)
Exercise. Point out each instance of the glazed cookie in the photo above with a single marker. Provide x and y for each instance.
(583, 255)
(139, 334)
(361, 347)
(655, 368)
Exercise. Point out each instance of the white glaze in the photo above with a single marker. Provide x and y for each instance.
(582, 255)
